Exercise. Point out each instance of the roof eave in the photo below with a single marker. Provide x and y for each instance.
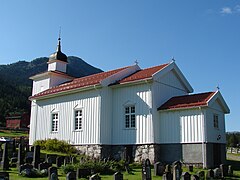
(71, 91)
(183, 108)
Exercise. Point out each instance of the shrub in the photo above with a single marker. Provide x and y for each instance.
(68, 168)
(56, 146)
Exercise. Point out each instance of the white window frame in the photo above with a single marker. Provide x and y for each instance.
(79, 119)
(131, 116)
(216, 121)
(54, 122)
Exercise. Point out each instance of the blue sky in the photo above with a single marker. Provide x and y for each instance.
(203, 37)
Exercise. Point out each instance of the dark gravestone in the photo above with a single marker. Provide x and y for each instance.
(201, 175)
(54, 171)
(29, 157)
(217, 173)
(20, 155)
(118, 176)
(4, 176)
(51, 159)
(83, 173)
(73, 160)
(230, 170)
(190, 168)
(13, 145)
(66, 160)
(5, 159)
(44, 165)
(32, 148)
(24, 166)
(224, 170)
(59, 161)
(195, 177)
(146, 170)
(36, 156)
(167, 176)
(71, 176)
(53, 176)
(186, 176)
(95, 177)
(177, 172)
(158, 169)
(210, 174)
(27, 148)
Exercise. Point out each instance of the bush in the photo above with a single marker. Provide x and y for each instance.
(56, 146)
(68, 168)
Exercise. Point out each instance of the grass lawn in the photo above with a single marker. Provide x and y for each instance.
(9, 133)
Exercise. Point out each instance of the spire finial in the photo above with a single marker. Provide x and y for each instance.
(59, 40)
(173, 60)
(218, 88)
(136, 62)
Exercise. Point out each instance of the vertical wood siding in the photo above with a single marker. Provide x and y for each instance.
(140, 96)
(163, 89)
(65, 105)
(184, 126)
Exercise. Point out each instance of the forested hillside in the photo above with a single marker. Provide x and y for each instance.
(16, 87)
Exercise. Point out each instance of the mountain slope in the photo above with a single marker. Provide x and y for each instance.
(16, 87)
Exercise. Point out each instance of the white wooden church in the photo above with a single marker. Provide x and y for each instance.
(141, 113)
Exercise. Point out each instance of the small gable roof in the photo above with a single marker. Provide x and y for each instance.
(194, 100)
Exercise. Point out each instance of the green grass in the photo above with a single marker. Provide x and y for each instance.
(9, 133)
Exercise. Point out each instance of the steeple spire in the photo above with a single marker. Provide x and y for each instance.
(59, 40)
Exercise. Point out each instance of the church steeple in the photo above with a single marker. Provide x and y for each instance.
(58, 60)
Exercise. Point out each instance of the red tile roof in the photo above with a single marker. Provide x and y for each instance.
(194, 100)
(143, 74)
(96, 79)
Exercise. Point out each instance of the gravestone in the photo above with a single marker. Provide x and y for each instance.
(210, 174)
(95, 177)
(24, 166)
(167, 176)
(217, 173)
(66, 160)
(5, 159)
(71, 176)
(201, 175)
(14, 145)
(230, 170)
(20, 155)
(44, 165)
(51, 159)
(177, 172)
(52, 170)
(158, 169)
(146, 170)
(224, 170)
(118, 176)
(32, 148)
(29, 157)
(190, 168)
(59, 161)
(27, 147)
(168, 168)
(4, 176)
(195, 177)
(73, 160)
(83, 173)
(36, 156)
(53, 176)
(186, 176)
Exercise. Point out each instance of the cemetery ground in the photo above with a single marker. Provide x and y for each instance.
(136, 173)
(13, 133)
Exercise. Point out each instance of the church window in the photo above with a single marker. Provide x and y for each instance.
(215, 121)
(55, 122)
(78, 119)
(130, 117)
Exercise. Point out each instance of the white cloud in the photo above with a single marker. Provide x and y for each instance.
(237, 8)
(226, 10)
